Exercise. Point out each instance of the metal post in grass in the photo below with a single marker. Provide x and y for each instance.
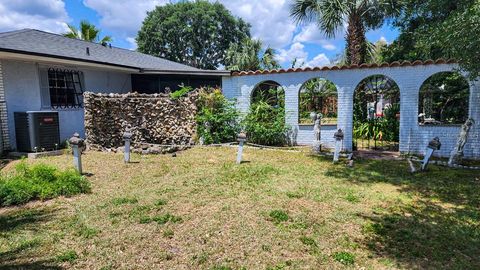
(338, 144)
(241, 138)
(127, 137)
(76, 142)
(433, 146)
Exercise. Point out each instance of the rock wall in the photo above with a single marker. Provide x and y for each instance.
(154, 120)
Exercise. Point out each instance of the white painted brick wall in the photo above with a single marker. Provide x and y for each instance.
(413, 137)
(3, 114)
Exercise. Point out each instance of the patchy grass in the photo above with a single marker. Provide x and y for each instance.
(278, 210)
(278, 216)
(345, 258)
(67, 256)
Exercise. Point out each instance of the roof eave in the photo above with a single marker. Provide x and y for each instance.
(220, 73)
(43, 55)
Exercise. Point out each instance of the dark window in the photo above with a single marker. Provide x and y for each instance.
(66, 89)
(151, 84)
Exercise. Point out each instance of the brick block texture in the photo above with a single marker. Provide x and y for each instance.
(413, 137)
(5, 142)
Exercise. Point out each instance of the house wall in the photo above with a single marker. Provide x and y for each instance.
(413, 137)
(23, 93)
(4, 138)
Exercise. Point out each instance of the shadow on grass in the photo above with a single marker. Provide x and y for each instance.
(24, 218)
(439, 229)
(15, 223)
(447, 185)
(426, 236)
(31, 266)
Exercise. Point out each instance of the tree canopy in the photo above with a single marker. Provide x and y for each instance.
(194, 33)
(434, 29)
(86, 31)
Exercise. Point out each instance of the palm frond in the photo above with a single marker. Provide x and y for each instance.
(332, 16)
(304, 11)
(73, 32)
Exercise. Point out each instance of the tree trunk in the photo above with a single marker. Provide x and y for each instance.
(356, 41)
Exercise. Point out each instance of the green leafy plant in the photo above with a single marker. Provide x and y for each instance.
(67, 256)
(217, 118)
(183, 91)
(278, 216)
(39, 182)
(265, 124)
(345, 258)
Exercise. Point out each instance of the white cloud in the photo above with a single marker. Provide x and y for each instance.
(123, 16)
(295, 52)
(329, 47)
(133, 43)
(383, 40)
(47, 15)
(319, 61)
(270, 19)
(311, 34)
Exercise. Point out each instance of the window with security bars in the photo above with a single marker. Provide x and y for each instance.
(65, 87)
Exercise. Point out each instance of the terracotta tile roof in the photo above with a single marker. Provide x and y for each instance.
(393, 64)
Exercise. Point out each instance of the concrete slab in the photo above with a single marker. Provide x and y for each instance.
(36, 155)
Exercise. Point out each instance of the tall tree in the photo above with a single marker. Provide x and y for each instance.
(359, 15)
(86, 31)
(195, 33)
(432, 29)
(246, 56)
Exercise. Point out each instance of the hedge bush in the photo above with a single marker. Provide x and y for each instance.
(41, 181)
(265, 124)
(221, 116)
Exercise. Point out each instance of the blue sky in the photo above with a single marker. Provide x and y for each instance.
(121, 19)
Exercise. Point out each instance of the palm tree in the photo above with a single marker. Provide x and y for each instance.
(358, 15)
(88, 32)
(246, 56)
(268, 60)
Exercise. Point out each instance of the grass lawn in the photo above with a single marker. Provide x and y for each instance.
(279, 210)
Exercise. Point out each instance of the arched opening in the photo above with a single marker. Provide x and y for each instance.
(265, 121)
(269, 92)
(376, 114)
(443, 99)
(318, 95)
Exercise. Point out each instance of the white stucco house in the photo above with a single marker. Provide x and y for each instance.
(41, 71)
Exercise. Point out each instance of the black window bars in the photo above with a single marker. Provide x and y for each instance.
(66, 89)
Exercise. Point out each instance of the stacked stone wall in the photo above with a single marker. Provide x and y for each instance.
(155, 121)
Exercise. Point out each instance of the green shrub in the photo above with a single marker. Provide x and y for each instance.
(16, 190)
(39, 181)
(221, 116)
(265, 124)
